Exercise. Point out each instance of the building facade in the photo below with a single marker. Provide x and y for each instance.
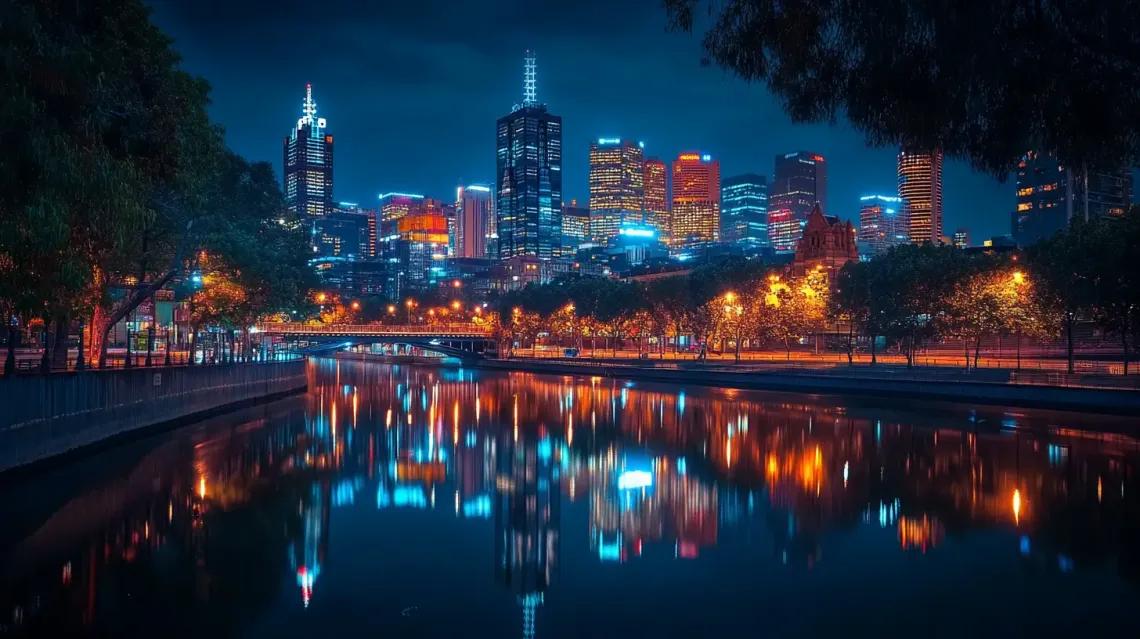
(826, 244)
(474, 208)
(920, 188)
(421, 249)
(799, 183)
(961, 238)
(528, 182)
(882, 222)
(617, 187)
(656, 206)
(342, 233)
(695, 210)
(1049, 195)
(308, 163)
(744, 210)
(575, 227)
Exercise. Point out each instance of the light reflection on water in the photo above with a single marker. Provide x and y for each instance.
(412, 501)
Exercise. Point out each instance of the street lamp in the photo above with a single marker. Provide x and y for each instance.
(356, 306)
(455, 305)
(321, 297)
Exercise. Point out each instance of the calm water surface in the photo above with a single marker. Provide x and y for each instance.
(397, 501)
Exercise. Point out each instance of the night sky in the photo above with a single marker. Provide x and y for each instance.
(412, 90)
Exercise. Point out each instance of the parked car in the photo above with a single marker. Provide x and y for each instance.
(569, 352)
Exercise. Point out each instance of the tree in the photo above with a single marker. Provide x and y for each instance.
(103, 132)
(976, 308)
(1064, 269)
(983, 81)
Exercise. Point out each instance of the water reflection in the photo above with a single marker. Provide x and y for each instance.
(233, 527)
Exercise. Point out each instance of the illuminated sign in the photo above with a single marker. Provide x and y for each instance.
(788, 156)
(609, 140)
(689, 157)
(706, 157)
(884, 198)
(411, 195)
(481, 189)
(641, 145)
(632, 479)
(636, 232)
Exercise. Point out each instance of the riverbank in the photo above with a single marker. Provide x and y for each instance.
(984, 387)
(46, 416)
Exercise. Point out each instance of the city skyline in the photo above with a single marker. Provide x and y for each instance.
(376, 151)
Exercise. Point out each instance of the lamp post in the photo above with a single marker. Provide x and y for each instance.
(128, 363)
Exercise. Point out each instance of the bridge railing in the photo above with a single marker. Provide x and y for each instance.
(299, 328)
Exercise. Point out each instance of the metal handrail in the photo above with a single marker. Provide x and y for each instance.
(298, 328)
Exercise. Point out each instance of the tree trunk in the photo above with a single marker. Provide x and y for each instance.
(738, 348)
(966, 351)
(977, 351)
(59, 349)
(787, 349)
(874, 359)
(10, 358)
(1069, 341)
(850, 344)
(45, 358)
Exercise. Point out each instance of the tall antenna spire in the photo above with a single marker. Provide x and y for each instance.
(308, 107)
(529, 94)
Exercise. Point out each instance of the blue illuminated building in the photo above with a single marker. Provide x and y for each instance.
(528, 187)
(744, 210)
(308, 163)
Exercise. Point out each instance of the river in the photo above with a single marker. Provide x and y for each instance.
(410, 501)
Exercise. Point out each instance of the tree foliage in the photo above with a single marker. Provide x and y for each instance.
(983, 81)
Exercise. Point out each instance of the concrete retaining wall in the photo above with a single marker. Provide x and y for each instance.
(46, 415)
(1096, 400)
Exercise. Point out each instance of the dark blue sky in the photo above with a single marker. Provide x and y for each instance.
(412, 90)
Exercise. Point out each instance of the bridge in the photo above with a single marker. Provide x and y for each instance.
(463, 340)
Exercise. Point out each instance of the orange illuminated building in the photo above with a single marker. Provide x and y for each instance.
(695, 215)
(920, 188)
(657, 197)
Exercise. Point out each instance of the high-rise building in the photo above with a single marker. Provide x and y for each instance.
(961, 238)
(799, 183)
(421, 248)
(1050, 195)
(474, 209)
(744, 210)
(696, 200)
(346, 233)
(882, 222)
(656, 206)
(528, 177)
(920, 187)
(308, 165)
(575, 227)
(617, 187)
(393, 208)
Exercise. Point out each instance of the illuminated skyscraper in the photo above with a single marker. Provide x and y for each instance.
(575, 227)
(882, 222)
(393, 208)
(308, 166)
(617, 187)
(696, 200)
(474, 209)
(800, 182)
(962, 238)
(744, 210)
(528, 177)
(1050, 195)
(920, 187)
(656, 206)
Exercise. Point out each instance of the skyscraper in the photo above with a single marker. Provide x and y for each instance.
(882, 222)
(696, 200)
(308, 166)
(473, 211)
(575, 227)
(657, 197)
(920, 187)
(800, 182)
(744, 210)
(1050, 195)
(617, 187)
(962, 238)
(528, 177)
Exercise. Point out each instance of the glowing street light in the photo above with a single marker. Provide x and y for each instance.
(1018, 277)
(391, 309)
(355, 306)
(321, 297)
(455, 305)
